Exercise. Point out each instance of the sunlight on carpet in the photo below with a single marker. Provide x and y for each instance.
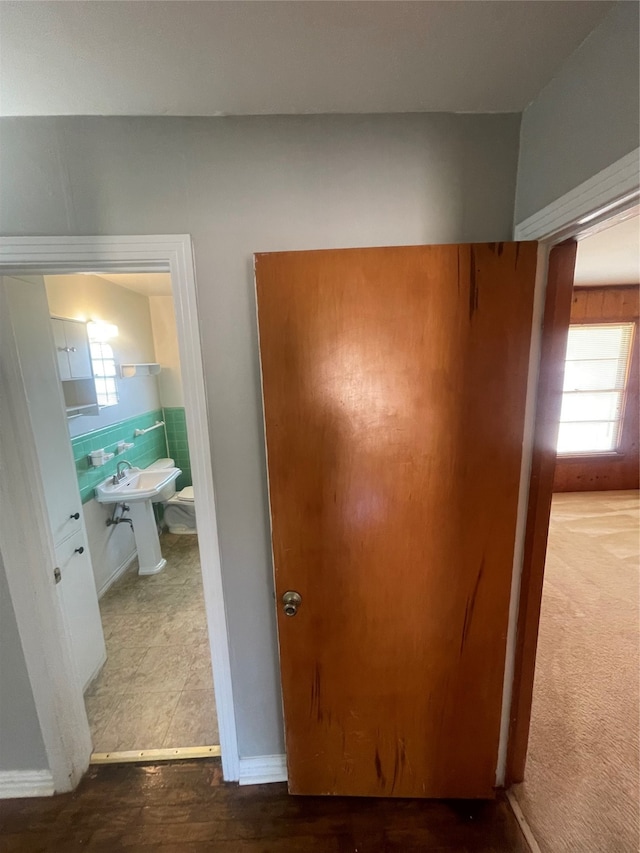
(581, 789)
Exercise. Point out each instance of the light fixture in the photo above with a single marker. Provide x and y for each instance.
(100, 332)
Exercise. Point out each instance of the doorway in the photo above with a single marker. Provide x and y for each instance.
(64, 723)
(154, 695)
(581, 785)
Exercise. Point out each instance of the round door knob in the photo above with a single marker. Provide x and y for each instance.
(79, 550)
(291, 600)
(75, 515)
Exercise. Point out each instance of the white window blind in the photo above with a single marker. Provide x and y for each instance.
(104, 372)
(594, 384)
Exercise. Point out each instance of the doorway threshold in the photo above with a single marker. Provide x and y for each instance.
(155, 755)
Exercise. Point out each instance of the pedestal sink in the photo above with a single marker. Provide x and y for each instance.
(139, 489)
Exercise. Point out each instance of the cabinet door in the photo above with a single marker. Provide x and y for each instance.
(60, 343)
(78, 596)
(79, 352)
(79, 603)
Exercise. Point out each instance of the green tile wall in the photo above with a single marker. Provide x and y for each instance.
(147, 448)
(177, 440)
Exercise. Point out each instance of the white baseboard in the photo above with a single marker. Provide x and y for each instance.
(94, 674)
(25, 783)
(122, 568)
(259, 769)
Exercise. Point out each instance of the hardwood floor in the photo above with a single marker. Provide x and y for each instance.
(185, 807)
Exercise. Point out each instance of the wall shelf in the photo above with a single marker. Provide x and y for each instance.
(80, 397)
(78, 411)
(127, 371)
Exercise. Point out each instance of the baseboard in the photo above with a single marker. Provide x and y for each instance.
(122, 568)
(523, 823)
(25, 783)
(259, 769)
(94, 674)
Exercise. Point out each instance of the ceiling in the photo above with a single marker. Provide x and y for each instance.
(249, 58)
(611, 256)
(148, 284)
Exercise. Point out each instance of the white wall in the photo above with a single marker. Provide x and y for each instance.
(89, 297)
(586, 118)
(112, 548)
(21, 744)
(245, 185)
(165, 342)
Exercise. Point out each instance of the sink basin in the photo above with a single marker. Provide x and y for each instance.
(137, 485)
(140, 488)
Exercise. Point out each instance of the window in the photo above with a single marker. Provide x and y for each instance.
(594, 385)
(104, 371)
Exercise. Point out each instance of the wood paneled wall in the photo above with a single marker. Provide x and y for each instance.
(611, 304)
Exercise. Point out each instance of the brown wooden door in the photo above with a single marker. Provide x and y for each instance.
(394, 385)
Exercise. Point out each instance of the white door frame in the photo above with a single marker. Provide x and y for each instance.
(611, 193)
(29, 555)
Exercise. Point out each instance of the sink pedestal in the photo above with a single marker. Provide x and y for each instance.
(145, 530)
(137, 490)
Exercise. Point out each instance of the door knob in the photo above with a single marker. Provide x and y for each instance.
(291, 600)
(79, 550)
(75, 515)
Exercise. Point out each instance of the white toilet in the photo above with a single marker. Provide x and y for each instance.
(179, 507)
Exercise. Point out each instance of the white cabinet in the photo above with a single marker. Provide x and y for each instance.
(72, 348)
(73, 355)
(79, 603)
(38, 356)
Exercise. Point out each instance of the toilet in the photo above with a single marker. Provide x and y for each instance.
(179, 507)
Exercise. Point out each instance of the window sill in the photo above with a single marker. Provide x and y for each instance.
(581, 457)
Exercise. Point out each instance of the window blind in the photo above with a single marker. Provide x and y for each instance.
(104, 372)
(596, 370)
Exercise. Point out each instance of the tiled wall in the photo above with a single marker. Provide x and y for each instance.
(147, 448)
(177, 441)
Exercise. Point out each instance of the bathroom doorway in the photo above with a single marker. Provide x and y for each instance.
(42, 624)
(154, 696)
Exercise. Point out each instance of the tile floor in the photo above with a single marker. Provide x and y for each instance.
(156, 689)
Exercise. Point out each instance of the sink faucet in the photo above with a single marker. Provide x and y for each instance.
(119, 475)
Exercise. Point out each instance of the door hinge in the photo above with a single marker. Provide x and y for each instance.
(57, 574)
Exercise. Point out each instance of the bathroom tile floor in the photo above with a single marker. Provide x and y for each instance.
(156, 689)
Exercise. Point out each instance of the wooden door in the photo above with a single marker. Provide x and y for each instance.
(394, 385)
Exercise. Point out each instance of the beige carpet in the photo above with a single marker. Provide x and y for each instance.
(581, 791)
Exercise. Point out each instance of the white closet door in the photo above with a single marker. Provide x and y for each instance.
(77, 590)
